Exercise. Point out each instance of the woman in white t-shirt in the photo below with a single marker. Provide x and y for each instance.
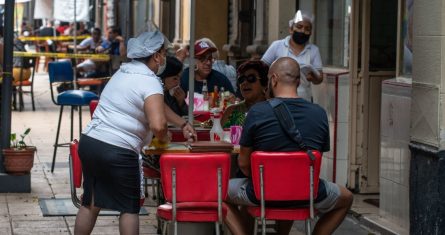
(130, 111)
(298, 47)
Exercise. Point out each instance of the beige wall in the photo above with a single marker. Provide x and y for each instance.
(278, 26)
(427, 109)
(211, 22)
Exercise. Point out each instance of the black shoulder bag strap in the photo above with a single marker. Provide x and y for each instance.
(287, 123)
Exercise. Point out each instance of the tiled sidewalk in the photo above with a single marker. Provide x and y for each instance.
(21, 214)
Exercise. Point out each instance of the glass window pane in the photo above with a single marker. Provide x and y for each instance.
(383, 35)
(332, 31)
(407, 37)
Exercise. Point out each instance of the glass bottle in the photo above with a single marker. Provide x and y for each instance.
(217, 132)
(215, 97)
(205, 93)
(222, 99)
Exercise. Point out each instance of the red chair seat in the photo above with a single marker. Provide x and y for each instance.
(23, 83)
(151, 173)
(192, 211)
(281, 213)
(89, 82)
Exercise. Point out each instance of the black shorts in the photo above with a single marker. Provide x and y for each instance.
(111, 175)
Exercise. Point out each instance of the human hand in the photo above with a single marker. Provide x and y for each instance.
(161, 144)
(179, 95)
(119, 39)
(310, 76)
(165, 141)
(182, 53)
(99, 49)
(189, 132)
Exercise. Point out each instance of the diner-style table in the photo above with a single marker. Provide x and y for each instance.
(179, 147)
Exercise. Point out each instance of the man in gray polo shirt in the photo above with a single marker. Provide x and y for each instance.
(297, 46)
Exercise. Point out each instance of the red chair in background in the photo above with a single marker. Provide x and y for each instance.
(284, 176)
(195, 185)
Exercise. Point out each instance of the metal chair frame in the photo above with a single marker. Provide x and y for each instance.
(68, 78)
(217, 223)
(19, 89)
(262, 217)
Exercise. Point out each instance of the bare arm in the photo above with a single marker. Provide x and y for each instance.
(244, 160)
(226, 114)
(122, 47)
(153, 107)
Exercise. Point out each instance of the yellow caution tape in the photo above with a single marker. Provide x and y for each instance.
(99, 57)
(54, 38)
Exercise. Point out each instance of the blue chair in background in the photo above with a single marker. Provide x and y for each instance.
(62, 72)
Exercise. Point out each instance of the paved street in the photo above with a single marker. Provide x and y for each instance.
(21, 214)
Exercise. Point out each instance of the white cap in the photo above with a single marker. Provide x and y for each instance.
(144, 45)
(301, 16)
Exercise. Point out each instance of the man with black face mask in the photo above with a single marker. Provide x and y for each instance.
(298, 47)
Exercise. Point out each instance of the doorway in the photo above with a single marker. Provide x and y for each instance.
(373, 44)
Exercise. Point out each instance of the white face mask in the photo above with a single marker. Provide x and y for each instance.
(162, 67)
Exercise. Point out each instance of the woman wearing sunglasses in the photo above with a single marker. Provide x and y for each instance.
(252, 83)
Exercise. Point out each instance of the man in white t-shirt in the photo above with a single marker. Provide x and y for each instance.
(298, 47)
(92, 44)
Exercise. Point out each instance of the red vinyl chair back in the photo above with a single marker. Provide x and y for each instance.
(76, 165)
(196, 176)
(75, 172)
(93, 105)
(286, 175)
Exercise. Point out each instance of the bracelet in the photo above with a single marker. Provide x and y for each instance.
(184, 124)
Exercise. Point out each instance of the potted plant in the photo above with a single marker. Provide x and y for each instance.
(19, 158)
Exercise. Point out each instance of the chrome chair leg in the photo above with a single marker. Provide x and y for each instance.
(164, 228)
(255, 226)
(175, 229)
(307, 227)
(263, 226)
(217, 228)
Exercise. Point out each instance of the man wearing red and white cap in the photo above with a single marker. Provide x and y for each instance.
(203, 70)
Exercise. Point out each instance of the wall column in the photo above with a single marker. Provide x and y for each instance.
(427, 173)
(259, 45)
(278, 27)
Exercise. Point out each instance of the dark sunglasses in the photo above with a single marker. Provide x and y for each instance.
(250, 79)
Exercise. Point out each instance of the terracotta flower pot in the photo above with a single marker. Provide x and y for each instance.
(19, 162)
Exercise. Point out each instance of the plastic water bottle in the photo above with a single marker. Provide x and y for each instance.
(205, 93)
(217, 132)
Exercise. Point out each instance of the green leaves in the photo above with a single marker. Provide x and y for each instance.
(13, 137)
(19, 144)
